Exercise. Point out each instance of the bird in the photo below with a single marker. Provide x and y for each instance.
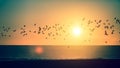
(38, 32)
(68, 46)
(24, 26)
(56, 33)
(100, 21)
(98, 26)
(106, 27)
(106, 32)
(49, 28)
(14, 30)
(24, 34)
(29, 30)
(34, 32)
(34, 24)
(43, 32)
(9, 35)
(95, 20)
(39, 28)
(106, 42)
(107, 20)
(111, 26)
(112, 32)
(92, 30)
(117, 20)
(46, 38)
(104, 23)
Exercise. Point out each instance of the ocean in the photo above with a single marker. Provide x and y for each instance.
(51, 56)
(59, 52)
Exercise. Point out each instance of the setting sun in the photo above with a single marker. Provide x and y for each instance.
(77, 31)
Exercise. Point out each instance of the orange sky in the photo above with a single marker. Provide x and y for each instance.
(64, 13)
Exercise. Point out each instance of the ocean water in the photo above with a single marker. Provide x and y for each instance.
(58, 52)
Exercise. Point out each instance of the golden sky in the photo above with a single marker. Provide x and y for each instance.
(71, 16)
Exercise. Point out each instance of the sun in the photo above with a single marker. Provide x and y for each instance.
(77, 31)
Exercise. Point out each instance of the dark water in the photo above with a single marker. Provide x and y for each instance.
(14, 56)
(59, 52)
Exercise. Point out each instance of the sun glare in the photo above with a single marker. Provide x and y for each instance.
(77, 31)
(39, 50)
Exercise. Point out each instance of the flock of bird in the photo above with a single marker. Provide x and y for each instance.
(51, 31)
(59, 30)
(109, 27)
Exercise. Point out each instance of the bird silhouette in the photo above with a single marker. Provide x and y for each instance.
(106, 32)
(106, 27)
(112, 32)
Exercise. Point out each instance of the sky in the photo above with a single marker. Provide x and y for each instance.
(67, 13)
